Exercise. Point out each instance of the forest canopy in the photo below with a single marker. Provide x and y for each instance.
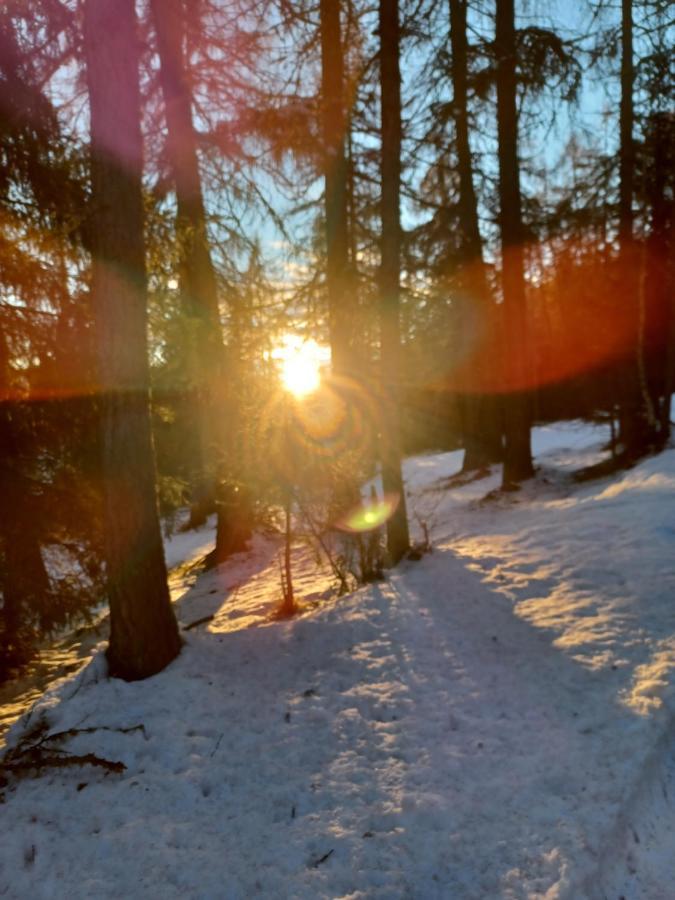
(253, 252)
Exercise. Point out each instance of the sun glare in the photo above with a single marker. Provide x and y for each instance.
(300, 364)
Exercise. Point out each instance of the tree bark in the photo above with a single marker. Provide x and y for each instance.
(638, 425)
(143, 631)
(398, 539)
(198, 282)
(480, 425)
(334, 125)
(661, 256)
(626, 144)
(517, 449)
(629, 409)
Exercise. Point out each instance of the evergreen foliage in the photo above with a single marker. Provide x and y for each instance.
(492, 247)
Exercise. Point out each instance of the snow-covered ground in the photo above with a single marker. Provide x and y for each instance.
(67, 652)
(184, 546)
(493, 721)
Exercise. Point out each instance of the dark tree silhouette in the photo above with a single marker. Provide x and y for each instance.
(143, 631)
(398, 539)
(198, 282)
(480, 424)
(334, 124)
(517, 450)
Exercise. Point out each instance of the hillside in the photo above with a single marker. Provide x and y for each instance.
(494, 720)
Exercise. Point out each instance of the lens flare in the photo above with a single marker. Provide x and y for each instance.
(338, 422)
(369, 516)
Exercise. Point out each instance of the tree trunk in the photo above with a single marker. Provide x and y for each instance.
(23, 577)
(340, 283)
(480, 424)
(661, 282)
(288, 606)
(143, 631)
(198, 283)
(627, 146)
(334, 124)
(637, 419)
(398, 539)
(517, 449)
(629, 412)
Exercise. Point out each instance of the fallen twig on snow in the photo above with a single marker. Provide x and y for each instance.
(322, 859)
(202, 621)
(34, 752)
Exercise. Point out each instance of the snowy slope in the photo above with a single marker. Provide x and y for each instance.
(492, 721)
(68, 652)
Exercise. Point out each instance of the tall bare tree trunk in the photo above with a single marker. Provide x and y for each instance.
(629, 407)
(398, 539)
(334, 124)
(288, 605)
(637, 419)
(661, 274)
(627, 146)
(340, 282)
(480, 423)
(198, 283)
(517, 449)
(143, 631)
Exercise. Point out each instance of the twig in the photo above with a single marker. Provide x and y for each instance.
(34, 752)
(202, 621)
(39, 761)
(322, 859)
(339, 574)
(213, 752)
(72, 732)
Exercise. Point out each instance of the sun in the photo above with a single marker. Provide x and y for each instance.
(300, 376)
(300, 364)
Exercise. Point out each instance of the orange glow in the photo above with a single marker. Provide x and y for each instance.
(580, 318)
